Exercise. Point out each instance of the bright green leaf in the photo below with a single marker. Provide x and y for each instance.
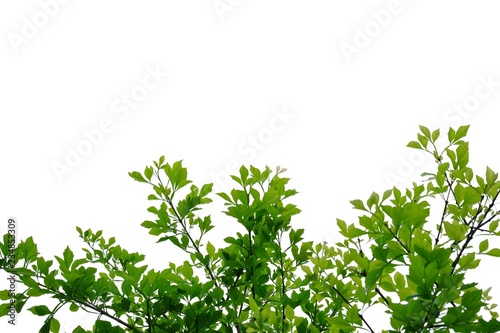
(483, 246)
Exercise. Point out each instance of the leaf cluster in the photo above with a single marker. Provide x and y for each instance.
(267, 278)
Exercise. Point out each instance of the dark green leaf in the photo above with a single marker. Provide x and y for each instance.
(40, 310)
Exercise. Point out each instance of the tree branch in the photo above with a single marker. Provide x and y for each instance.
(472, 231)
(87, 305)
(349, 304)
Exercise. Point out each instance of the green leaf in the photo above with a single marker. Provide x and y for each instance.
(29, 282)
(493, 253)
(463, 155)
(210, 249)
(54, 325)
(68, 256)
(341, 324)
(46, 326)
(40, 310)
(491, 176)
(4, 309)
(481, 183)
(451, 134)
(493, 226)
(472, 299)
(342, 225)
(483, 246)
(177, 175)
(435, 135)
(137, 176)
(289, 312)
(414, 144)
(153, 197)
(253, 305)
(452, 156)
(358, 204)
(468, 261)
(425, 131)
(206, 189)
(461, 132)
(79, 329)
(353, 232)
(29, 251)
(225, 197)
(423, 140)
(36, 292)
(5, 294)
(373, 200)
(236, 179)
(148, 172)
(386, 195)
(399, 280)
(102, 326)
(451, 316)
(456, 230)
(243, 174)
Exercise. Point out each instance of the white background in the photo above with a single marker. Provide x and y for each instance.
(230, 70)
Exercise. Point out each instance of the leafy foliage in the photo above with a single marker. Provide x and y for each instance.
(267, 278)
